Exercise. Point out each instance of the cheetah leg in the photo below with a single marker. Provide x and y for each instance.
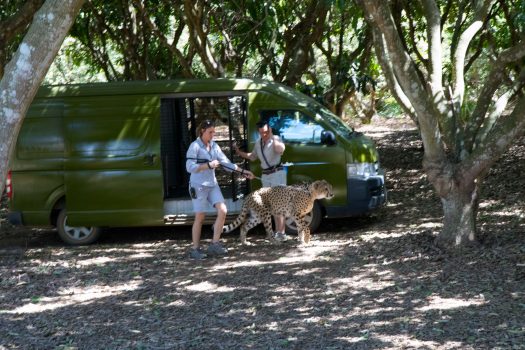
(267, 222)
(247, 226)
(303, 231)
(307, 235)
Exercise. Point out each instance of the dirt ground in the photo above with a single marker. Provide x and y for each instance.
(363, 283)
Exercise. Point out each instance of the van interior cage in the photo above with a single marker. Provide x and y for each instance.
(180, 117)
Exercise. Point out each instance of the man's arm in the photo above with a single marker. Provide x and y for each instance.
(246, 155)
(278, 145)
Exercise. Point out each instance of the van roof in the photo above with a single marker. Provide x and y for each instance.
(171, 86)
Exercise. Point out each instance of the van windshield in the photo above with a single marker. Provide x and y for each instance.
(341, 127)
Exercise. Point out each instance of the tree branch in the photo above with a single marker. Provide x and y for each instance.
(15, 25)
(492, 83)
(187, 71)
(193, 11)
(499, 140)
(462, 47)
(379, 15)
(388, 70)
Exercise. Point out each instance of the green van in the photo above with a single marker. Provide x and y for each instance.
(113, 154)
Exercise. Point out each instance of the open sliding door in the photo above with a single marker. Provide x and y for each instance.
(180, 116)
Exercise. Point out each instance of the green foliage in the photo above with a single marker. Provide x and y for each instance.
(10, 41)
(388, 107)
(113, 40)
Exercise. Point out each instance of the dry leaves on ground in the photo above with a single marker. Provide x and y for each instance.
(364, 283)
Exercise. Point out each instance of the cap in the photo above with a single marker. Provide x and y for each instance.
(261, 123)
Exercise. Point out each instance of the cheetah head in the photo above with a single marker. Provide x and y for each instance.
(321, 189)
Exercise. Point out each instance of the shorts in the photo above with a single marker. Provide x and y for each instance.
(206, 196)
(275, 179)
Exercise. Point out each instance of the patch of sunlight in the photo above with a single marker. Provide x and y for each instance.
(134, 254)
(408, 341)
(141, 255)
(438, 303)
(313, 319)
(371, 311)
(180, 303)
(430, 225)
(133, 249)
(72, 296)
(272, 326)
(487, 203)
(316, 251)
(284, 290)
(96, 261)
(507, 213)
(303, 309)
(208, 287)
(385, 235)
(352, 340)
(315, 270)
(358, 283)
(182, 283)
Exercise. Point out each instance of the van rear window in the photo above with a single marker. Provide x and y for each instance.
(108, 137)
(41, 138)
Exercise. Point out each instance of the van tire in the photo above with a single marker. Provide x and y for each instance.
(313, 219)
(74, 235)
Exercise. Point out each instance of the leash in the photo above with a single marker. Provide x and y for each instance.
(202, 161)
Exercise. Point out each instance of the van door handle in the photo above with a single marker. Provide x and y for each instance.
(149, 159)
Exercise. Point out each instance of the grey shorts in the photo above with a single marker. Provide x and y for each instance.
(276, 179)
(206, 196)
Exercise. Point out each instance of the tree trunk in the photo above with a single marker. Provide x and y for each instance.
(460, 208)
(25, 72)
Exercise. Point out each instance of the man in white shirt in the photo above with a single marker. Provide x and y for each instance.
(268, 149)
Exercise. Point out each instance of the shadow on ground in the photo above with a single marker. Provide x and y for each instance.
(364, 283)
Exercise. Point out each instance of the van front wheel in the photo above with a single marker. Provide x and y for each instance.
(313, 219)
(75, 235)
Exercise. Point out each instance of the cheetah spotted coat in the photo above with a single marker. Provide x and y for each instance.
(290, 201)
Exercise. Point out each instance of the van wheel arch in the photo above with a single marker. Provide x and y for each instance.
(59, 205)
(75, 235)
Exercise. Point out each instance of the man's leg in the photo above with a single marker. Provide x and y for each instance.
(279, 223)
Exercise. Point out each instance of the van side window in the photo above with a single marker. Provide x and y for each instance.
(293, 126)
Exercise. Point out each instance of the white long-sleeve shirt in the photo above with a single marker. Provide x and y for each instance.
(197, 154)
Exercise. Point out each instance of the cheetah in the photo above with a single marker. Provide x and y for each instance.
(291, 201)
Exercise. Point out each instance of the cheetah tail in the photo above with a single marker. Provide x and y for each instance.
(237, 222)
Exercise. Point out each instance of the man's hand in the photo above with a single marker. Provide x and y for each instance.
(236, 148)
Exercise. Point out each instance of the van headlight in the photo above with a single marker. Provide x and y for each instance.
(361, 170)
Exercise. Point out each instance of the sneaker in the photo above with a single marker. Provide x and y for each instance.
(197, 254)
(217, 249)
(280, 236)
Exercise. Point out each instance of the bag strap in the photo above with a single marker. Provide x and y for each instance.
(262, 152)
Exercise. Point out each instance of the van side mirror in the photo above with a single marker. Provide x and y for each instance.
(327, 138)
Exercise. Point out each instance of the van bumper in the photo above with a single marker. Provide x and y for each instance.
(364, 195)
(15, 218)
